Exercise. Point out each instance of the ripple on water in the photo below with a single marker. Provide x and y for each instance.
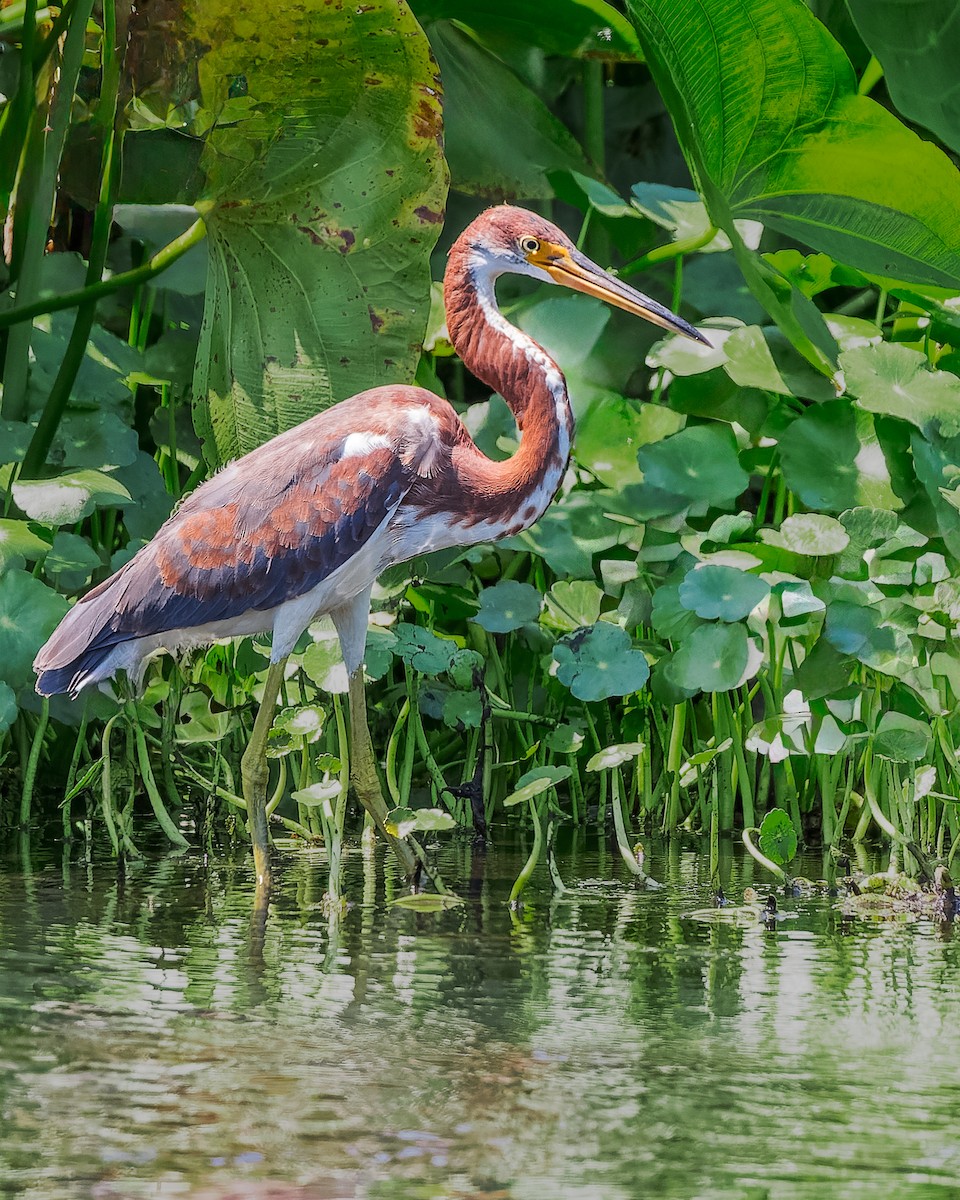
(157, 1042)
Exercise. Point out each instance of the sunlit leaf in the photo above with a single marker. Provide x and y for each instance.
(898, 382)
(324, 199)
(572, 604)
(813, 534)
(18, 541)
(536, 781)
(615, 756)
(317, 795)
(67, 498)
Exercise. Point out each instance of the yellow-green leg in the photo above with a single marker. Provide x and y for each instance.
(366, 781)
(255, 774)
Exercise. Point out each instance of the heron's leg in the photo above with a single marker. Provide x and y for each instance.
(366, 780)
(255, 773)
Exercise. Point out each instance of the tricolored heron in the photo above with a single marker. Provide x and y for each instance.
(304, 525)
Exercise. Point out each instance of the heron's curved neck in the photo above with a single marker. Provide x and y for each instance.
(509, 361)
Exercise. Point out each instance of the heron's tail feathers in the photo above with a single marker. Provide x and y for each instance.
(84, 648)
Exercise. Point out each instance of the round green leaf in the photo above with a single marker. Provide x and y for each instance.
(536, 781)
(29, 613)
(898, 382)
(571, 604)
(712, 659)
(565, 739)
(813, 534)
(423, 650)
(778, 838)
(831, 459)
(508, 605)
(698, 464)
(900, 738)
(599, 661)
(323, 661)
(70, 561)
(724, 593)
(462, 710)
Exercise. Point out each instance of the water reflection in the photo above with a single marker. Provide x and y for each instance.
(157, 1040)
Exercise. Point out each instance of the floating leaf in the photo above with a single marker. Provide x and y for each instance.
(599, 661)
(724, 593)
(712, 659)
(536, 781)
(427, 902)
(778, 838)
(508, 605)
(697, 464)
(812, 534)
(65, 499)
(900, 738)
(615, 756)
(29, 613)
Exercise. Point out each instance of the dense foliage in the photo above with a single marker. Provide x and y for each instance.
(745, 596)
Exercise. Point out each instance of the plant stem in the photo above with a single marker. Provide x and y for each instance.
(30, 775)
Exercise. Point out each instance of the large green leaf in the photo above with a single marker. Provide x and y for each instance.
(918, 46)
(326, 191)
(490, 156)
(766, 109)
(29, 612)
(577, 28)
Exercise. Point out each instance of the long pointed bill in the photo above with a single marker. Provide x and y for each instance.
(574, 270)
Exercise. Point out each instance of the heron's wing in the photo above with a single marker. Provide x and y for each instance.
(268, 540)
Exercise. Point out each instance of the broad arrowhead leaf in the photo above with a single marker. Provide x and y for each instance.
(478, 90)
(918, 47)
(766, 109)
(576, 28)
(325, 199)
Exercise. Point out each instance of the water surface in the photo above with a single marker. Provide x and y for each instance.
(155, 1041)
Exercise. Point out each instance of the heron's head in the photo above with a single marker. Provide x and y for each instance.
(512, 241)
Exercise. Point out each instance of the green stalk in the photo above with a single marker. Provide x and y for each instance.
(17, 363)
(678, 722)
(762, 859)
(534, 857)
(153, 267)
(149, 782)
(669, 252)
(623, 844)
(106, 785)
(56, 402)
(30, 775)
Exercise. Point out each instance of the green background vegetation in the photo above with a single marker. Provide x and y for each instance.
(745, 596)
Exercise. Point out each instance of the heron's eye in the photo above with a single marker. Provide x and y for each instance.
(529, 245)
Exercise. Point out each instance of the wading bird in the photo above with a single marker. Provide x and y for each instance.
(303, 525)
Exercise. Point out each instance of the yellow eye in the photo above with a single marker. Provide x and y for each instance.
(529, 245)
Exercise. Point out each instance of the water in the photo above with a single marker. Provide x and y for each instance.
(155, 1041)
